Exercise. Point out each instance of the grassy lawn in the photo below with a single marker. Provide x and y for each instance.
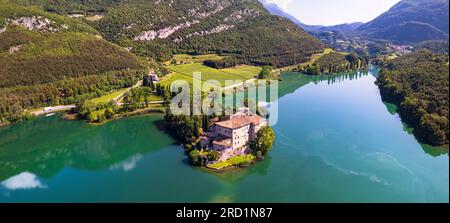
(233, 161)
(155, 98)
(108, 97)
(185, 72)
(313, 59)
(186, 58)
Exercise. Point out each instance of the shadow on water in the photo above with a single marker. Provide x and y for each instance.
(238, 174)
(434, 151)
(45, 146)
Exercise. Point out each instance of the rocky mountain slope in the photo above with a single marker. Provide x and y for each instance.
(242, 29)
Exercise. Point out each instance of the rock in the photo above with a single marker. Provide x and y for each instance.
(14, 49)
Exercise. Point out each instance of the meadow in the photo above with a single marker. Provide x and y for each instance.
(185, 72)
(108, 97)
(186, 58)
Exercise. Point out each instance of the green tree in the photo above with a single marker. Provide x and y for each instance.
(126, 101)
(264, 140)
(109, 113)
(213, 155)
(15, 112)
(146, 93)
(265, 72)
(91, 117)
(194, 157)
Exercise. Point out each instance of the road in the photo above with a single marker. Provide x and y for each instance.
(59, 108)
(119, 97)
(53, 109)
(150, 103)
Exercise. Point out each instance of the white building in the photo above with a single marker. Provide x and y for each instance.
(233, 136)
(153, 76)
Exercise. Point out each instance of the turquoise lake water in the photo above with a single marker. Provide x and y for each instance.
(336, 141)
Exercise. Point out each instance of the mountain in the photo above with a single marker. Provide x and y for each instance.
(275, 10)
(65, 51)
(410, 21)
(242, 29)
(47, 58)
(346, 27)
(340, 37)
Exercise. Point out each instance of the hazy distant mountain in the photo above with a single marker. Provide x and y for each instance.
(410, 21)
(275, 10)
(337, 36)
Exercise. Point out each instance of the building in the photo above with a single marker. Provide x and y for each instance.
(150, 78)
(232, 136)
(153, 76)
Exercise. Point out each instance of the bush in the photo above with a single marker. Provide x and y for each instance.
(194, 157)
(213, 155)
(109, 113)
(265, 72)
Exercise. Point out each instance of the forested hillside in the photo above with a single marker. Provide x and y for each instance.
(49, 59)
(419, 84)
(61, 52)
(410, 21)
(435, 46)
(242, 29)
(335, 62)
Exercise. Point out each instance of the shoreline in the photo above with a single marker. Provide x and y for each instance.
(229, 168)
(137, 113)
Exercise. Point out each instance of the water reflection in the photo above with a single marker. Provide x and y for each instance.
(428, 149)
(23, 181)
(435, 151)
(46, 145)
(238, 174)
(292, 81)
(129, 164)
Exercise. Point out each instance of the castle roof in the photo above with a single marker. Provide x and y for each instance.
(240, 121)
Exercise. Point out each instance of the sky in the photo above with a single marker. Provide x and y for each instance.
(333, 12)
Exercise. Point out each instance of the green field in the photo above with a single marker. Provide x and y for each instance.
(108, 97)
(185, 72)
(313, 59)
(186, 58)
(155, 98)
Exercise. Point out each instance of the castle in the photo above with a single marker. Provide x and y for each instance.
(232, 136)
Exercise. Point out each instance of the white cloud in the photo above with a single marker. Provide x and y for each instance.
(25, 180)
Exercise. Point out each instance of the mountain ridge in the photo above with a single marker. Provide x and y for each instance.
(410, 21)
(242, 29)
(407, 22)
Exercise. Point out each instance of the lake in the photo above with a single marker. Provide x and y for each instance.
(336, 141)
